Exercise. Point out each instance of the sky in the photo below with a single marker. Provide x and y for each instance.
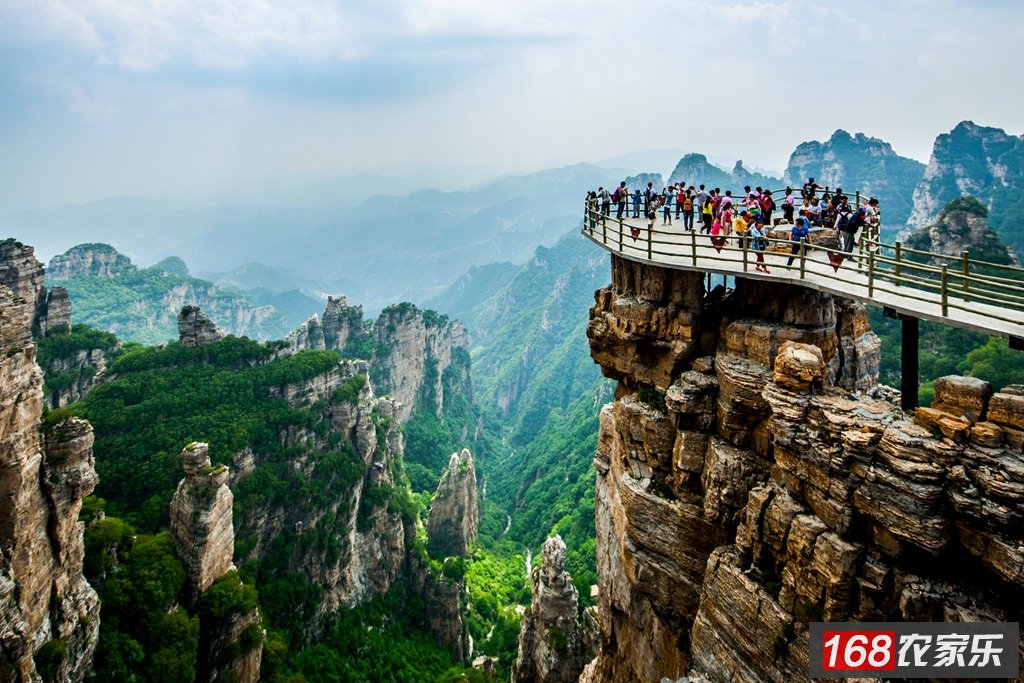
(180, 99)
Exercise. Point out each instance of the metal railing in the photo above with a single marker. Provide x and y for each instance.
(888, 271)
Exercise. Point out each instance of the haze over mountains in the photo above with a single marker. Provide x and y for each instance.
(370, 238)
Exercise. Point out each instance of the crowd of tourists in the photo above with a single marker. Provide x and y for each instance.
(749, 216)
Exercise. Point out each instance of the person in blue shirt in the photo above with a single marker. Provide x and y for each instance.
(636, 203)
(801, 232)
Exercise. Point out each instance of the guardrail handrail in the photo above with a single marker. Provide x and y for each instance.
(882, 268)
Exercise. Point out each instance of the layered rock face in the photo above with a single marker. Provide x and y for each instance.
(148, 299)
(969, 160)
(201, 526)
(45, 603)
(22, 274)
(410, 351)
(204, 540)
(99, 260)
(416, 349)
(196, 329)
(451, 528)
(370, 537)
(552, 646)
(961, 226)
(454, 514)
(340, 323)
(774, 485)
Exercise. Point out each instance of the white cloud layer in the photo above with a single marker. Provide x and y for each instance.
(168, 97)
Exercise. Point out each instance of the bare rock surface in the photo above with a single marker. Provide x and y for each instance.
(44, 474)
(454, 512)
(779, 485)
(552, 646)
(196, 329)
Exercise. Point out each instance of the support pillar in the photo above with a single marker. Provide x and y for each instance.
(908, 366)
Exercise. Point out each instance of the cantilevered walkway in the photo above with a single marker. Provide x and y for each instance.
(909, 284)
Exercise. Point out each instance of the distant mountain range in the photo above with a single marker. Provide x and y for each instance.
(372, 239)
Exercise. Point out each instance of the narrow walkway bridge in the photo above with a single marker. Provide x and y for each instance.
(909, 284)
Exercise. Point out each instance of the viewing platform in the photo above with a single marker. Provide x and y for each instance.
(909, 284)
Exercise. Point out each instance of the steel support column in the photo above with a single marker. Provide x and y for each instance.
(908, 366)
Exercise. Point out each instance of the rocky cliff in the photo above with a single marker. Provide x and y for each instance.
(454, 514)
(71, 363)
(356, 539)
(961, 226)
(204, 540)
(141, 304)
(415, 350)
(695, 169)
(411, 351)
(974, 160)
(752, 479)
(858, 163)
(196, 329)
(88, 260)
(201, 527)
(553, 647)
(49, 615)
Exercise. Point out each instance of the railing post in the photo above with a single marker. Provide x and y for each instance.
(896, 269)
(945, 290)
(650, 240)
(965, 272)
(856, 201)
(620, 240)
(743, 242)
(871, 275)
(693, 245)
(803, 257)
(860, 248)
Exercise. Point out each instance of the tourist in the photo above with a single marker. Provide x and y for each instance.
(788, 205)
(800, 234)
(707, 213)
(854, 223)
(687, 202)
(636, 203)
(809, 188)
(680, 199)
(814, 212)
(739, 226)
(767, 206)
(606, 201)
(759, 241)
(619, 197)
(666, 202)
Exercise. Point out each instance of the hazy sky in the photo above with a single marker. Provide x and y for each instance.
(180, 98)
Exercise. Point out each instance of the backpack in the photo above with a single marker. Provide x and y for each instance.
(616, 196)
(769, 203)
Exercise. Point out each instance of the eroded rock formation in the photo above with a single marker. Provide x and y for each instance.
(969, 160)
(454, 513)
(367, 547)
(204, 540)
(47, 609)
(196, 329)
(99, 260)
(415, 355)
(552, 646)
(772, 484)
(201, 525)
